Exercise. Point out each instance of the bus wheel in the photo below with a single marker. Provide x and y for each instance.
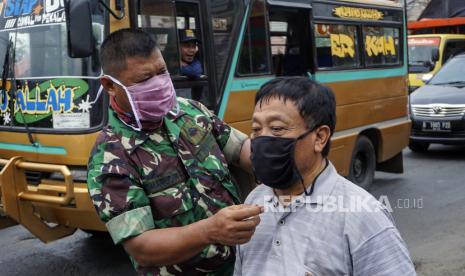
(363, 163)
(418, 146)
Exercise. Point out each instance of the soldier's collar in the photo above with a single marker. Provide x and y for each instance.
(132, 139)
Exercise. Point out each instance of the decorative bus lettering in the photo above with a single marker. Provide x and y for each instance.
(380, 45)
(44, 99)
(57, 99)
(358, 13)
(342, 45)
(21, 7)
(33, 12)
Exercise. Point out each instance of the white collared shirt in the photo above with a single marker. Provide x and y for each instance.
(327, 233)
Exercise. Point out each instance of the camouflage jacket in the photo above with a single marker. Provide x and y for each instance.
(172, 177)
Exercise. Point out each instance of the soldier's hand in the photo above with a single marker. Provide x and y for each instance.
(233, 225)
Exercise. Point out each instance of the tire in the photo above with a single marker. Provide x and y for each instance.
(418, 146)
(363, 163)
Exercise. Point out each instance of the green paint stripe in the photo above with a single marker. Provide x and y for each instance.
(338, 76)
(244, 84)
(232, 69)
(35, 149)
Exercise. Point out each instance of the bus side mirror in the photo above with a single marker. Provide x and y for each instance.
(79, 28)
(434, 55)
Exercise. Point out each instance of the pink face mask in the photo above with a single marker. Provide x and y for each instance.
(150, 100)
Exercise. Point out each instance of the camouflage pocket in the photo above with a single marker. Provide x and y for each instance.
(155, 183)
(171, 202)
(196, 138)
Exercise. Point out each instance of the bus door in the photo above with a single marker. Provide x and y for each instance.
(173, 22)
(290, 42)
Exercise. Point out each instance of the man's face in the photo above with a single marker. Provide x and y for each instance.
(188, 51)
(138, 69)
(274, 117)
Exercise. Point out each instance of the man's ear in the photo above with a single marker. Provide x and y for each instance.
(323, 134)
(108, 86)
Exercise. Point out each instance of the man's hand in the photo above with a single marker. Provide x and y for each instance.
(233, 225)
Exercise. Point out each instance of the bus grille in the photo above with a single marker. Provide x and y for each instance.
(438, 110)
(34, 178)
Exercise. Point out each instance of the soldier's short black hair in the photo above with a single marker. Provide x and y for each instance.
(123, 44)
(315, 102)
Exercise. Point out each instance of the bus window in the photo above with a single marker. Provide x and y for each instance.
(171, 23)
(158, 18)
(226, 18)
(381, 46)
(192, 80)
(453, 48)
(254, 57)
(44, 72)
(190, 41)
(336, 46)
(288, 44)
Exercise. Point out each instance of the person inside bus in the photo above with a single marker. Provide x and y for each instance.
(158, 174)
(189, 47)
(310, 225)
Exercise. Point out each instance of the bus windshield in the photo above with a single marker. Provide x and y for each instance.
(51, 91)
(420, 54)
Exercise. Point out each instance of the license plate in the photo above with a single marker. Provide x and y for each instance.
(436, 126)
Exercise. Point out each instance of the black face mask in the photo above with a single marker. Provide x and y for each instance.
(273, 160)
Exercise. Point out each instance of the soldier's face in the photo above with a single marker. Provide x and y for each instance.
(138, 69)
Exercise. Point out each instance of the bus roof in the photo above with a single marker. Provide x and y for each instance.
(388, 3)
(436, 22)
(442, 36)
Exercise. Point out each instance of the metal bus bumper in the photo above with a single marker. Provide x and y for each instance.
(52, 209)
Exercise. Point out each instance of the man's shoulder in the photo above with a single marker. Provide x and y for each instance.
(258, 194)
(365, 215)
(107, 142)
(192, 107)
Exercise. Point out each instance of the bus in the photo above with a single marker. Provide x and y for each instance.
(51, 111)
(427, 53)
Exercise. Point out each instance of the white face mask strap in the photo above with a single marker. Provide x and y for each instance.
(131, 102)
(98, 95)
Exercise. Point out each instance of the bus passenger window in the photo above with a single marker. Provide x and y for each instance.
(336, 46)
(254, 56)
(381, 46)
(191, 81)
(190, 41)
(158, 18)
(288, 44)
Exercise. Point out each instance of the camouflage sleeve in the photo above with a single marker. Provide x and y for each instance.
(116, 194)
(228, 138)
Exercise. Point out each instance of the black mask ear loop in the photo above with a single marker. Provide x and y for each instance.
(301, 178)
(309, 193)
(300, 138)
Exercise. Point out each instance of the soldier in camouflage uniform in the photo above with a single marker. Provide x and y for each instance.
(165, 191)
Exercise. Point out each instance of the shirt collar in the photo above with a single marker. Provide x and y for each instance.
(323, 187)
(132, 139)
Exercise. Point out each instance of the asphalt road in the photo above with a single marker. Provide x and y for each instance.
(428, 203)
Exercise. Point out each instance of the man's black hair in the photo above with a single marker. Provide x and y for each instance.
(316, 103)
(123, 44)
